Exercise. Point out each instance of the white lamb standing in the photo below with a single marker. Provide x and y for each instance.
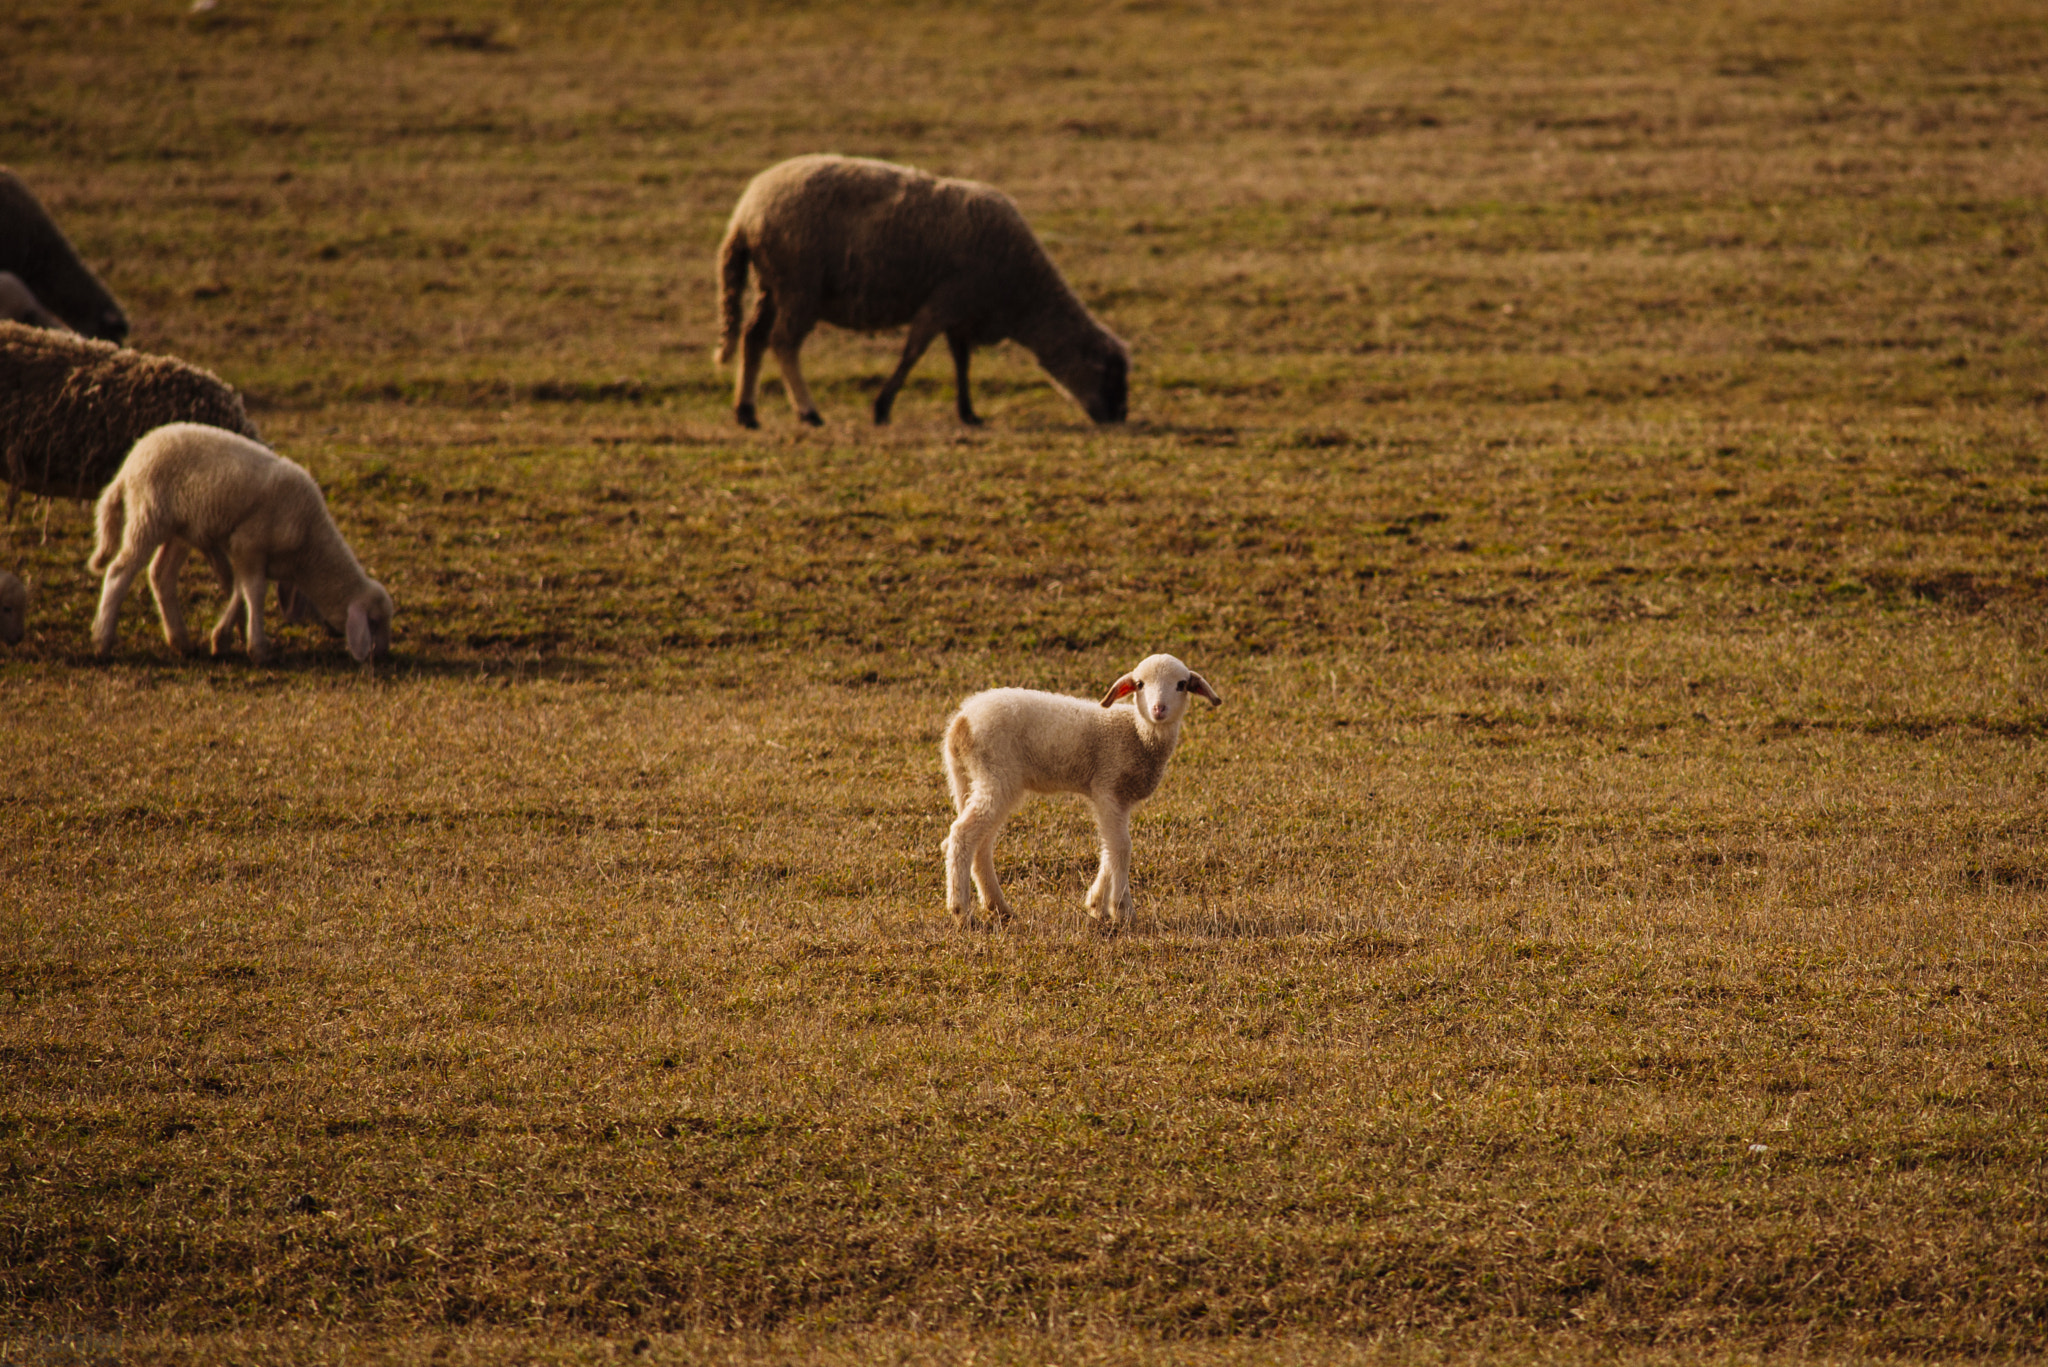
(1008, 743)
(255, 516)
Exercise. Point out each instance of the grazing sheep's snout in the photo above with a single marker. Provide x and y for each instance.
(113, 326)
(1113, 399)
(368, 628)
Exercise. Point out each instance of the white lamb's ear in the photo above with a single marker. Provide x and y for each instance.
(1198, 684)
(360, 641)
(1126, 684)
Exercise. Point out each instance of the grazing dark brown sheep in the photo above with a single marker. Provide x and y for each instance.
(35, 251)
(70, 408)
(868, 245)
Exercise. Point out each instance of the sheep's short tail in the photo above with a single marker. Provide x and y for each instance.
(959, 735)
(108, 515)
(732, 291)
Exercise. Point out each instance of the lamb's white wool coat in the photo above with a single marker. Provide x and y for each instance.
(254, 515)
(1007, 743)
(13, 609)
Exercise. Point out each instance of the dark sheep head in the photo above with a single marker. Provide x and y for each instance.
(1095, 373)
(111, 325)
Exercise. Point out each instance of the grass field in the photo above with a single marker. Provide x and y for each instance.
(1596, 450)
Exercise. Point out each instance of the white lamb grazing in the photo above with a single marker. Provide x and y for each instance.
(13, 609)
(1007, 743)
(254, 515)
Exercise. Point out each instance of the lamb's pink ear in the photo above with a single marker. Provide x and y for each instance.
(1126, 684)
(360, 642)
(1198, 684)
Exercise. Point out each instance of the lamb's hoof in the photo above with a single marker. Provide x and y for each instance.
(970, 418)
(881, 415)
(810, 419)
(745, 413)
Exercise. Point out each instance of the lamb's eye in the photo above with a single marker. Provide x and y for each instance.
(1181, 687)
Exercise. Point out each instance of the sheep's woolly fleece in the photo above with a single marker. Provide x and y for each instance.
(70, 408)
(869, 245)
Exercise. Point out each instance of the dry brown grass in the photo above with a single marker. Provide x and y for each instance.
(1597, 454)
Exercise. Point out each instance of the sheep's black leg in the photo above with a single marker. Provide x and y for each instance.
(796, 315)
(964, 401)
(753, 346)
(922, 330)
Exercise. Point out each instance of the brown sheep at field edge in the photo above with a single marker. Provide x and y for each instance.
(71, 408)
(35, 251)
(868, 245)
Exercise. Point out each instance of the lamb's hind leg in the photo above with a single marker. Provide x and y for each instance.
(121, 571)
(163, 583)
(971, 857)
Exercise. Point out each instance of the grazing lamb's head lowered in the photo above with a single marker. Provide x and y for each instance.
(1163, 686)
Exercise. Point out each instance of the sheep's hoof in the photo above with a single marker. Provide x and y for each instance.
(970, 419)
(810, 419)
(881, 414)
(745, 413)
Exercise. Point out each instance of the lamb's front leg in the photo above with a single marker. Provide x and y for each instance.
(1110, 897)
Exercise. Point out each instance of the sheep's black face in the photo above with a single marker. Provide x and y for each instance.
(112, 326)
(1112, 394)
